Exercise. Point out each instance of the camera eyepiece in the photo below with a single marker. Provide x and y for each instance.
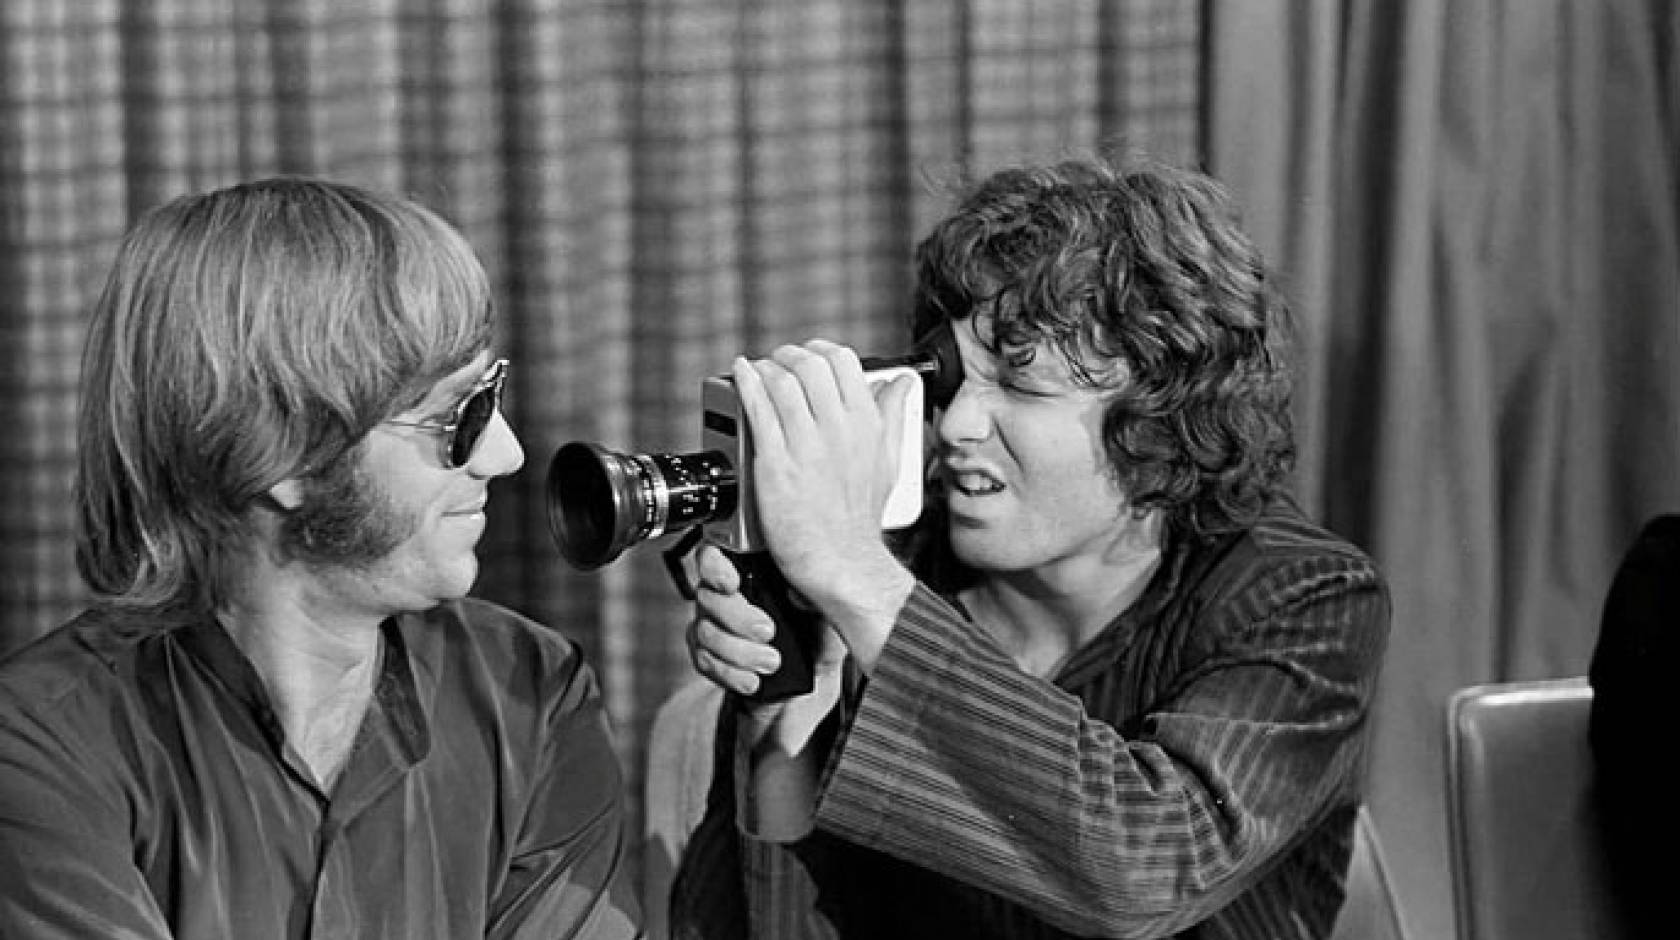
(601, 502)
(935, 358)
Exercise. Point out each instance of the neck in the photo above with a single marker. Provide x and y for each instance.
(318, 667)
(1043, 615)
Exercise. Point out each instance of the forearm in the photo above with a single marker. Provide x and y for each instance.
(960, 763)
(780, 754)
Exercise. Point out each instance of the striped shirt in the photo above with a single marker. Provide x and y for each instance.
(1193, 771)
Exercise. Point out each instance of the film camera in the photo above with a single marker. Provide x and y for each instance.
(602, 502)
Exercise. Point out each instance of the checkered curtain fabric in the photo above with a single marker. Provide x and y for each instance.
(653, 187)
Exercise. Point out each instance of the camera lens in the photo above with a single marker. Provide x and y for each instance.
(601, 502)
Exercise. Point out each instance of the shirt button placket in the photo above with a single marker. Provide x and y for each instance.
(334, 909)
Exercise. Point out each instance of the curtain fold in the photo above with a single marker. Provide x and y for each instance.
(1477, 205)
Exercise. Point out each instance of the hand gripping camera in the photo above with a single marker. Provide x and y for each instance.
(601, 502)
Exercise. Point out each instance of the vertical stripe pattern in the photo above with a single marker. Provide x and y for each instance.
(1194, 771)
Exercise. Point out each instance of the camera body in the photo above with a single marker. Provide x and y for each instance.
(722, 427)
(601, 502)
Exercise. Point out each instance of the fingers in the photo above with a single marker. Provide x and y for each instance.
(729, 638)
(762, 421)
(731, 661)
(831, 374)
(803, 385)
(714, 571)
(812, 394)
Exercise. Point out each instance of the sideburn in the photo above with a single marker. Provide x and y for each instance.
(345, 520)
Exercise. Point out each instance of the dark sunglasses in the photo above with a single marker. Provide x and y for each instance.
(468, 420)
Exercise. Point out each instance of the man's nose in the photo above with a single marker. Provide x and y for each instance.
(500, 453)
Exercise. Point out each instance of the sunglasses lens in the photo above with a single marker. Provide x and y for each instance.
(475, 417)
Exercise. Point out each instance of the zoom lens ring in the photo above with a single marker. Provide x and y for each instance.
(654, 494)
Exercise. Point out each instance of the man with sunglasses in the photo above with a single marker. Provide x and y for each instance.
(282, 717)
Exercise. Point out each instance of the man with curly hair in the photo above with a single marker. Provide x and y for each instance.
(1115, 684)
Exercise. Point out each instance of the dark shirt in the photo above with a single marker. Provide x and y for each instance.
(1632, 665)
(147, 790)
(1195, 769)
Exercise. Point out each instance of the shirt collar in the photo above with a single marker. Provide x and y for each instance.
(1183, 555)
(395, 692)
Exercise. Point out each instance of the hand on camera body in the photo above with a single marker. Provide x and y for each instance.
(825, 458)
(729, 637)
(729, 644)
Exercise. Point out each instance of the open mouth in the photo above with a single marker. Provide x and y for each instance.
(973, 483)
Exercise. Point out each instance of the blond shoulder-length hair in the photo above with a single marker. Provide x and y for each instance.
(246, 336)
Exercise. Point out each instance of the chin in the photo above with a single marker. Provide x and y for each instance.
(981, 555)
(449, 583)
(461, 585)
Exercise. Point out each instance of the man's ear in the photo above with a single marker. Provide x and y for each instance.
(287, 494)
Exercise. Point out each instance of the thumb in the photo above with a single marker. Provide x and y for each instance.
(715, 570)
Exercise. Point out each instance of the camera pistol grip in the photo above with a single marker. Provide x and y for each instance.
(798, 628)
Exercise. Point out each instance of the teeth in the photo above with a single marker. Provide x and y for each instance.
(975, 484)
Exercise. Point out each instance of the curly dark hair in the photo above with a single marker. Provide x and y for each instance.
(1138, 273)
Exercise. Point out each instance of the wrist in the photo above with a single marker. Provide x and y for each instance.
(865, 611)
(797, 721)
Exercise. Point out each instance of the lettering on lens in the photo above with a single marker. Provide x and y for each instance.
(601, 502)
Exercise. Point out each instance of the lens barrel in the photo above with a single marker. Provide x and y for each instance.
(601, 502)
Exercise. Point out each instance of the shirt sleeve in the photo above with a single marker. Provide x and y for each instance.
(66, 857)
(958, 761)
(569, 875)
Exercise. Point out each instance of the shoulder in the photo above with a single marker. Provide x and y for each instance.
(1645, 594)
(74, 702)
(1287, 566)
(1657, 547)
(1636, 634)
(96, 652)
(485, 643)
(495, 626)
(1283, 544)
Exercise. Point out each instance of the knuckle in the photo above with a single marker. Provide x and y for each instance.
(782, 380)
(842, 355)
(789, 357)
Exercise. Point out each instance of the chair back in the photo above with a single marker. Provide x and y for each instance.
(1527, 862)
